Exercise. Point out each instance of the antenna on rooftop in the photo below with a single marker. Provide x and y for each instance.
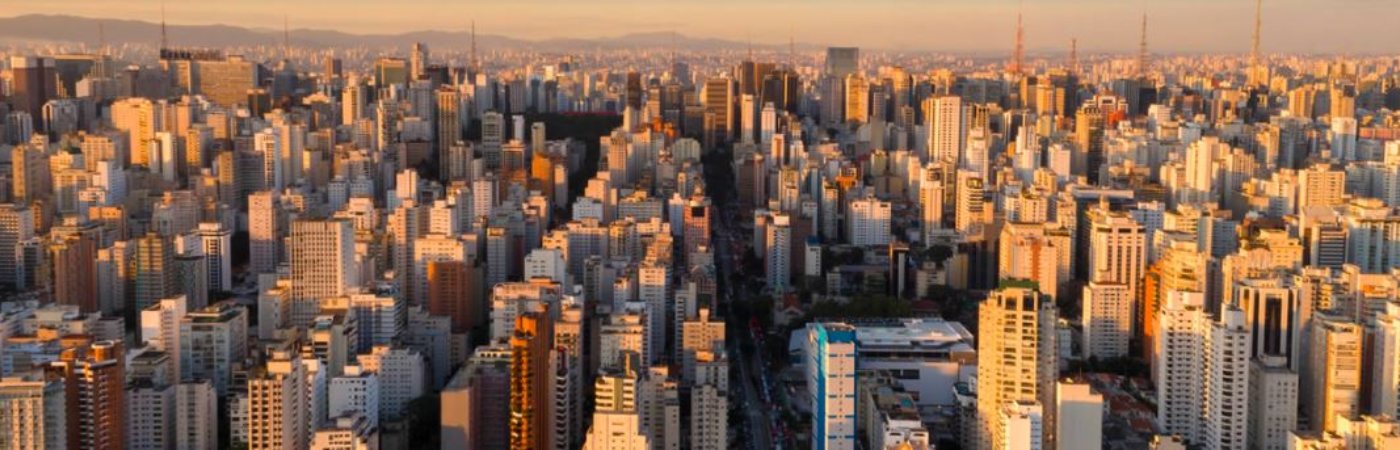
(1254, 71)
(1142, 49)
(1018, 55)
(792, 51)
(1074, 56)
(286, 39)
(475, 65)
(164, 43)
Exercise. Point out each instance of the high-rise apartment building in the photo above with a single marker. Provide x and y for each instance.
(830, 355)
(530, 380)
(617, 421)
(1180, 364)
(1016, 360)
(322, 255)
(279, 413)
(1332, 376)
(1227, 382)
(868, 222)
(943, 117)
(138, 118)
(35, 413)
(1107, 319)
(1079, 413)
(1273, 403)
(95, 378)
(1117, 251)
(778, 253)
(155, 270)
(265, 225)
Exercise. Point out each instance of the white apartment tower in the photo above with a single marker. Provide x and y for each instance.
(1107, 319)
(1179, 349)
(1227, 382)
(869, 222)
(943, 116)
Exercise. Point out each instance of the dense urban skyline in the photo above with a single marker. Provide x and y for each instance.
(1306, 26)
(267, 238)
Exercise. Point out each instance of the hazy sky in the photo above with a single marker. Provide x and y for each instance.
(1332, 26)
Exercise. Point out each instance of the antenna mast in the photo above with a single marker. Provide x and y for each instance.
(164, 43)
(475, 65)
(286, 39)
(792, 52)
(1142, 50)
(1019, 53)
(1254, 48)
(1074, 56)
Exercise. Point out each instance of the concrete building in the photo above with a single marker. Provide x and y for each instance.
(279, 415)
(213, 341)
(36, 416)
(1180, 364)
(475, 403)
(1273, 403)
(197, 422)
(1332, 377)
(355, 392)
(830, 359)
(402, 375)
(1016, 365)
(95, 378)
(1227, 382)
(1079, 416)
(869, 222)
(1107, 319)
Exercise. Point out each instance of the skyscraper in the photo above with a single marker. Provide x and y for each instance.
(1107, 319)
(35, 413)
(617, 421)
(1273, 402)
(278, 413)
(265, 225)
(154, 275)
(529, 380)
(95, 377)
(1117, 248)
(830, 356)
(1332, 376)
(857, 98)
(842, 61)
(778, 253)
(1180, 364)
(322, 263)
(943, 117)
(1016, 359)
(1227, 382)
(138, 118)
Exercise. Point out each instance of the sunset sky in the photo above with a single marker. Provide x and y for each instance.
(1332, 26)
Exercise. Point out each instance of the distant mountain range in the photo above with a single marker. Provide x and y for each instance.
(64, 28)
